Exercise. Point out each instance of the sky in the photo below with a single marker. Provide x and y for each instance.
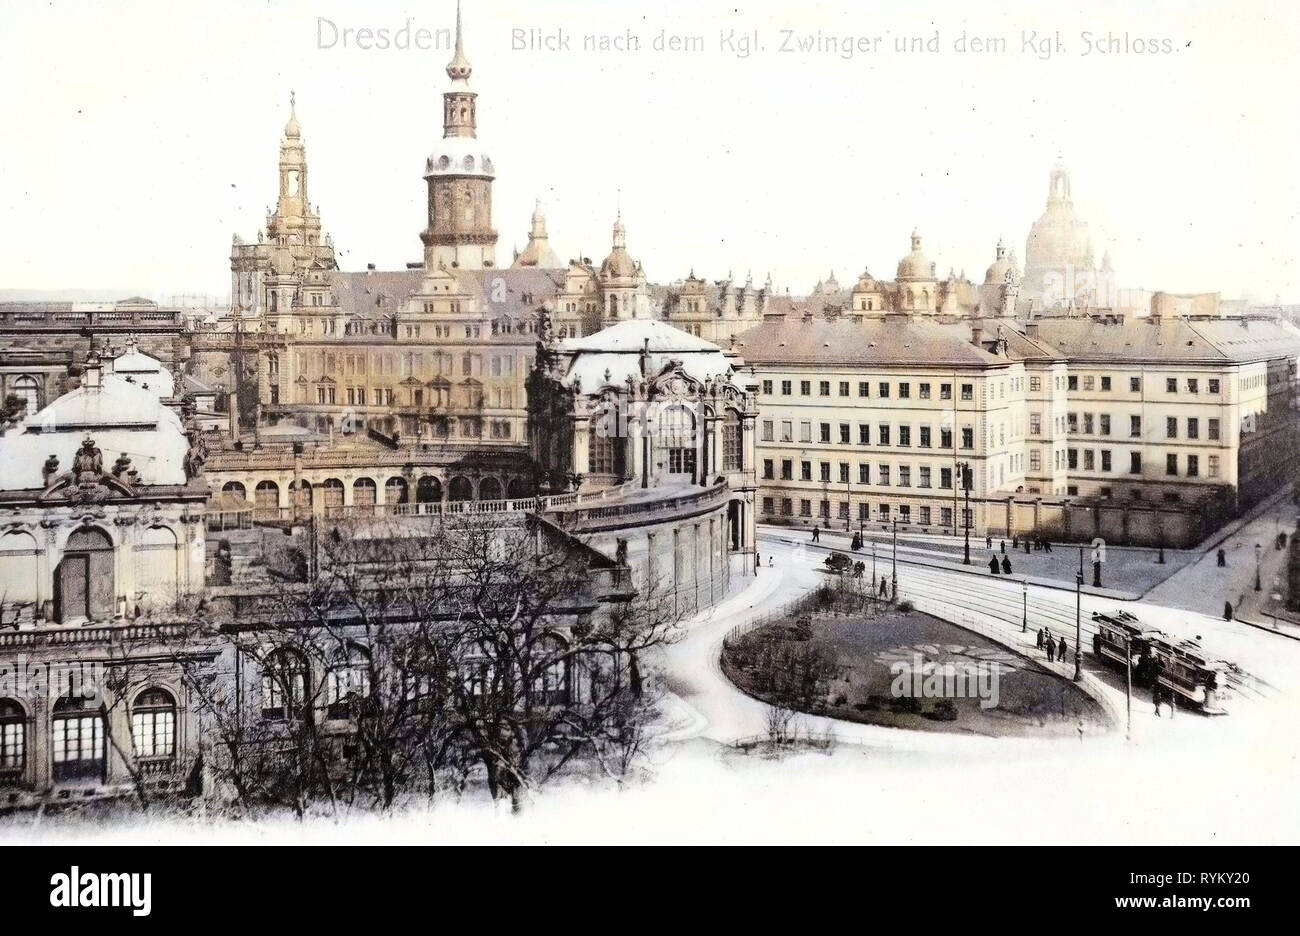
(142, 136)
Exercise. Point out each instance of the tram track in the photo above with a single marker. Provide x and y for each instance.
(1002, 600)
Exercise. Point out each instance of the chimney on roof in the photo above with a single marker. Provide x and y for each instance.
(92, 373)
(370, 268)
(1031, 331)
(977, 333)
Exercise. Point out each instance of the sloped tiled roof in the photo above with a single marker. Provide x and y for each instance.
(1216, 340)
(870, 342)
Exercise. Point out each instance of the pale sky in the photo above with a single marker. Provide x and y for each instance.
(138, 137)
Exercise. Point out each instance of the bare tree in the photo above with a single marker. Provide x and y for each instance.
(438, 651)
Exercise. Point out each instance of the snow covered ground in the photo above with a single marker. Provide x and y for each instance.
(1189, 779)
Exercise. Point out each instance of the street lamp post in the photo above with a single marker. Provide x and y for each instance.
(1128, 687)
(1024, 618)
(1257, 551)
(964, 468)
(848, 502)
(1078, 618)
(893, 586)
(873, 565)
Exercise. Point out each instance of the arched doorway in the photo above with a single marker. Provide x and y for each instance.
(428, 490)
(734, 525)
(18, 567)
(363, 495)
(516, 488)
(83, 583)
(396, 491)
(300, 493)
(332, 494)
(156, 571)
(266, 500)
(489, 489)
(461, 489)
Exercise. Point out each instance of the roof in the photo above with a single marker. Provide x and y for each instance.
(632, 336)
(613, 354)
(1214, 340)
(142, 369)
(376, 292)
(886, 342)
(121, 418)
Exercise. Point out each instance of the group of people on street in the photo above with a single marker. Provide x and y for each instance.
(1056, 647)
(1004, 567)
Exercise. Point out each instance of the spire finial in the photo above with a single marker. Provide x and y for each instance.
(459, 68)
(292, 129)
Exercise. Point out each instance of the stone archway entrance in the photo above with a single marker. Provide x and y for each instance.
(83, 583)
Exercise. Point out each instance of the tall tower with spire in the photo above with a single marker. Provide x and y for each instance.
(459, 175)
(290, 262)
(293, 223)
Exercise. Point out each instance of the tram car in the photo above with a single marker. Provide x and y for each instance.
(1119, 634)
(1182, 667)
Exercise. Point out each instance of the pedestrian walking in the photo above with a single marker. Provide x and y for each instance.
(1026, 541)
(993, 564)
(1051, 649)
(1006, 565)
(1002, 544)
(884, 587)
(1227, 610)
(817, 534)
(1040, 639)
(769, 562)
(988, 542)
(1047, 545)
(1060, 650)
(1222, 558)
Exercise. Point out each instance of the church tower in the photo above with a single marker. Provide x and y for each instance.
(459, 174)
(293, 223)
(291, 260)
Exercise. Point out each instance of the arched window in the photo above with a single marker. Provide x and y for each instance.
(284, 685)
(428, 490)
(29, 391)
(550, 671)
(363, 495)
(13, 740)
(600, 453)
(153, 725)
(348, 682)
(677, 436)
(77, 739)
(461, 489)
(333, 493)
(733, 458)
(489, 489)
(396, 491)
